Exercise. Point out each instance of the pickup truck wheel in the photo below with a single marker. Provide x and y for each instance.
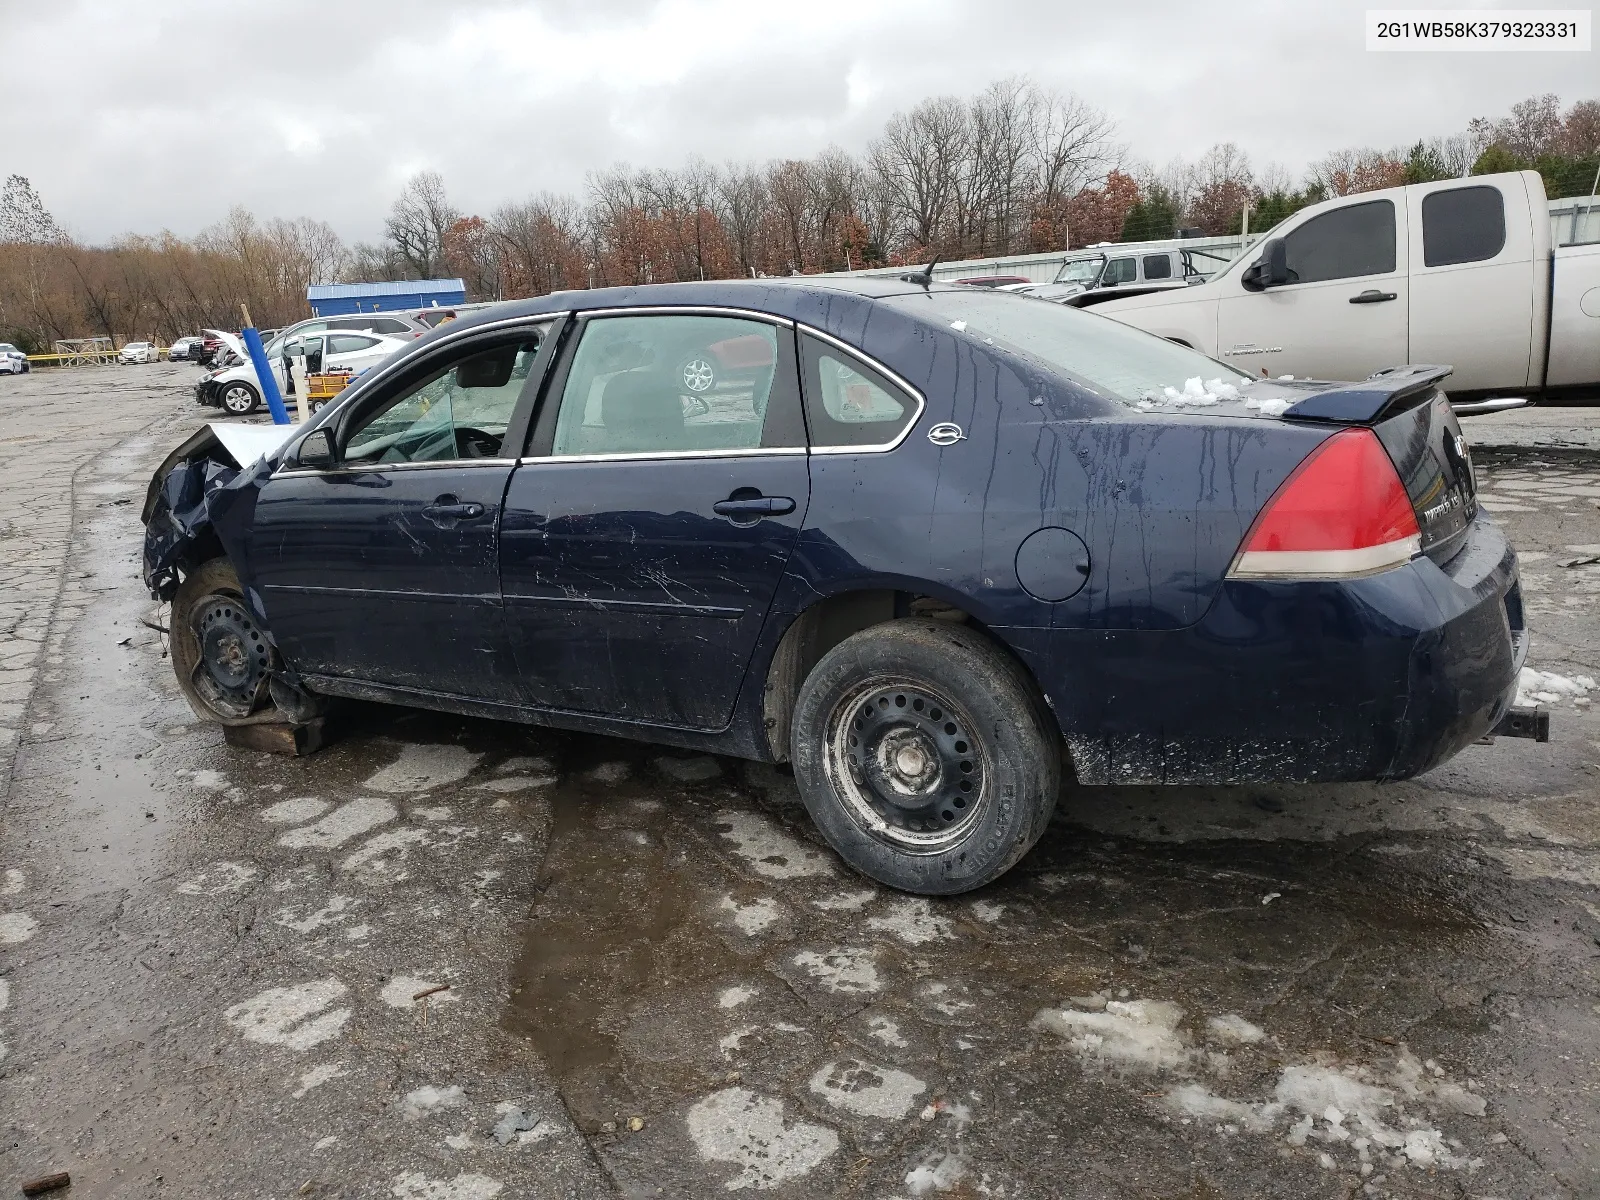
(240, 398)
(925, 756)
(222, 658)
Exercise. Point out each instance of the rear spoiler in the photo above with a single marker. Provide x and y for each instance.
(1359, 403)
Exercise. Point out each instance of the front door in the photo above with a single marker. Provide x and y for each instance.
(385, 567)
(644, 540)
(1344, 313)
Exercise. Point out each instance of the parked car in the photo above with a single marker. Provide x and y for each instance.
(210, 347)
(238, 390)
(185, 348)
(139, 352)
(12, 360)
(1461, 271)
(953, 538)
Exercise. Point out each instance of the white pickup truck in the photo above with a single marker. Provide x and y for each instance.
(1460, 272)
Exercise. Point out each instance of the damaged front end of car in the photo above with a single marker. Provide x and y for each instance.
(198, 507)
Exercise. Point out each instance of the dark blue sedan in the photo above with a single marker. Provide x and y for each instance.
(931, 545)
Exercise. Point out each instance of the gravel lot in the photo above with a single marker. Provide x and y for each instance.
(448, 959)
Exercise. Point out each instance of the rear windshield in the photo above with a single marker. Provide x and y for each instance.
(1105, 356)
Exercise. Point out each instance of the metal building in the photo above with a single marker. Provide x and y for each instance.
(337, 299)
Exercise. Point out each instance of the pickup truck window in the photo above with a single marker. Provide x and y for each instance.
(1157, 266)
(1120, 270)
(1343, 244)
(1462, 225)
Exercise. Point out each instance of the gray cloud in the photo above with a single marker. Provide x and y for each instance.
(162, 115)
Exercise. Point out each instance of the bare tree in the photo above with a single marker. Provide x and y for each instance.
(917, 160)
(417, 224)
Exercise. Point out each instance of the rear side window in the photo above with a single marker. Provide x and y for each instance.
(674, 384)
(1343, 244)
(848, 403)
(349, 343)
(1120, 270)
(1157, 266)
(387, 325)
(1462, 225)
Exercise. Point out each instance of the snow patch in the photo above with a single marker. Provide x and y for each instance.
(987, 911)
(371, 851)
(740, 1127)
(1231, 1027)
(428, 1099)
(1546, 687)
(517, 783)
(938, 1174)
(292, 1016)
(1141, 1034)
(294, 812)
(343, 823)
(15, 882)
(330, 913)
(913, 922)
(1269, 408)
(847, 971)
(846, 901)
(751, 918)
(736, 995)
(318, 1076)
(421, 768)
(16, 928)
(218, 879)
(769, 850)
(866, 1090)
(887, 1031)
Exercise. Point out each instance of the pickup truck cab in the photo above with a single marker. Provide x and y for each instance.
(1459, 272)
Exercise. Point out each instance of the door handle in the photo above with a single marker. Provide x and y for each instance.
(445, 509)
(753, 508)
(1372, 296)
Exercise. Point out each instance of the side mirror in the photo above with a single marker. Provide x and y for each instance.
(1270, 270)
(316, 450)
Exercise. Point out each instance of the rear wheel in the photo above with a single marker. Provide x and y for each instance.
(240, 398)
(221, 656)
(925, 756)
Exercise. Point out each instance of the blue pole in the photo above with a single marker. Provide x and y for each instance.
(265, 377)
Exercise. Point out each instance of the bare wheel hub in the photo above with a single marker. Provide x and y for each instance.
(906, 763)
(232, 668)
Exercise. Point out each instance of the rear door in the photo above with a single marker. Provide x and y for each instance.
(1345, 313)
(385, 568)
(645, 535)
(1473, 283)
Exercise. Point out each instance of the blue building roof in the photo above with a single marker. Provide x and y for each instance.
(397, 287)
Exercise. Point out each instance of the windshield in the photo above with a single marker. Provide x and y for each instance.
(8, 348)
(1080, 270)
(1107, 357)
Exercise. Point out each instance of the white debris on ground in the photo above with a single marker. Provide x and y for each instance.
(739, 1127)
(291, 1016)
(867, 1090)
(1546, 687)
(752, 918)
(421, 768)
(413, 1185)
(1348, 1110)
(914, 922)
(769, 850)
(940, 1173)
(848, 970)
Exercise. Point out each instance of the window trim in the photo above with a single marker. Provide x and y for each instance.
(335, 416)
(558, 381)
(893, 377)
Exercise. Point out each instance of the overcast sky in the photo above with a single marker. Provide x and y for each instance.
(162, 114)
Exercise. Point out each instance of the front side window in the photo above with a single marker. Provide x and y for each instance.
(677, 383)
(1097, 353)
(1462, 225)
(1120, 270)
(1346, 243)
(460, 410)
(1157, 266)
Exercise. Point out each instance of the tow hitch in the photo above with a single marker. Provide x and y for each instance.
(1528, 721)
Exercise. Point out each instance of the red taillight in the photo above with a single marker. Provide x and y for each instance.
(1342, 514)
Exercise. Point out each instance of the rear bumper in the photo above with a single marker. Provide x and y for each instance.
(1377, 678)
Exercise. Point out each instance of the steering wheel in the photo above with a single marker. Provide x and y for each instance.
(475, 443)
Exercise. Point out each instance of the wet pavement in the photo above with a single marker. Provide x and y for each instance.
(448, 959)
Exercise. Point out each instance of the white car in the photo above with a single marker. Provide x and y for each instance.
(12, 360)
(239, 391)
(139, 352)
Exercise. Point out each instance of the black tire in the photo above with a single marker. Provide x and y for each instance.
(967, 714)
(239, 398)
(209, 605)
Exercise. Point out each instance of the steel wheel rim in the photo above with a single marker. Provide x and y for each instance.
(237, 400)
(698, 375)
(892, 756)
(232, 656)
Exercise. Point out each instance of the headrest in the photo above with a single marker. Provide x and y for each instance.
(641, 402)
